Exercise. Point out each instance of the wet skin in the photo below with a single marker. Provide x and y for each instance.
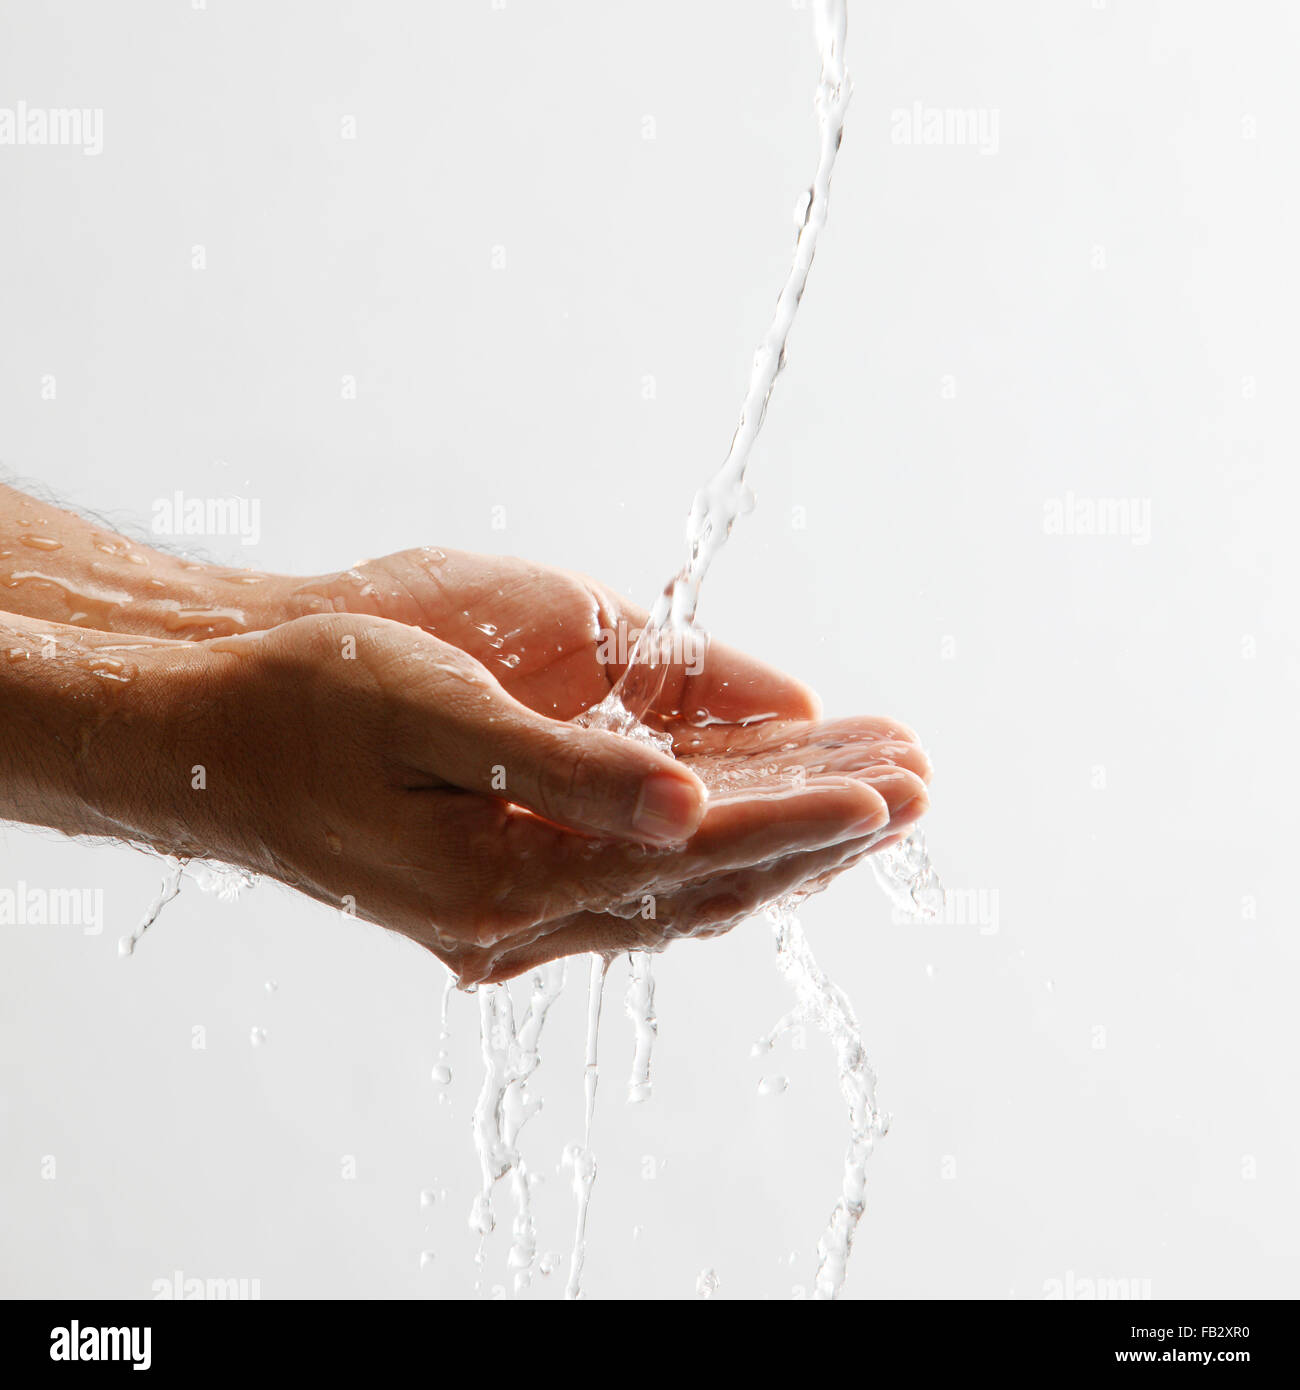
(396, 739)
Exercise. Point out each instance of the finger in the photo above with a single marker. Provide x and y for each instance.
(463, 727)
(903, 791)
(703, 909)
(548, 875)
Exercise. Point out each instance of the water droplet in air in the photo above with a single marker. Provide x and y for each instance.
(428, 1197)
(707, 1284)
(271, 986)
(427, 1257)
(257, 1036)
(773, 1085)
(441, 1075)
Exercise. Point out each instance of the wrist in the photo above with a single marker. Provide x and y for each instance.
(104, 736)
(64, 695)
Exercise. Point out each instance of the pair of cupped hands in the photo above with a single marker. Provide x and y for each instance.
(399, 740)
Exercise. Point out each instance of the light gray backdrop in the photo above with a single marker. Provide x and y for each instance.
(542, 239)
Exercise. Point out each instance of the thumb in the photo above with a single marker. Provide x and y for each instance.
(592, 780)
(584, 779)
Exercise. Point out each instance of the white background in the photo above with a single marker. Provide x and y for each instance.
(1159, 907)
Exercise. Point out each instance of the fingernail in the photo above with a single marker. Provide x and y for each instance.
(667, 809)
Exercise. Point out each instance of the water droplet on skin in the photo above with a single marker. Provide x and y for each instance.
(334, 842)
(235, 643)
(773, 1085)
(182, 619)
(257, 1036)
(87, 608)
(707, 1284)
(41, 542)
(109, 668)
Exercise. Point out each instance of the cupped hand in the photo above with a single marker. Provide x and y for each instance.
(387, 772)
(555, 640)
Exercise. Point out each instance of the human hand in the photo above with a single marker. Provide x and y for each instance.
(556, 640)
(381, 770)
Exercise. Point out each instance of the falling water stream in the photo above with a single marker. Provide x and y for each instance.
(903, 870)
(511, 1045)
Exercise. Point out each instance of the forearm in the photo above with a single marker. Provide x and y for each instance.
(88, 729)
(57, 566)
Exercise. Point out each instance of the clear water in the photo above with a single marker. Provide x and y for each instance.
(904, 870)
(818, 1000)
(510, 1047)
(511, 1055)
(639, 1004)
(725, 496)
(579, 1157)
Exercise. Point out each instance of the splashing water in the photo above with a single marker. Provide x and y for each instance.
(910, 882)
(511, 1055)
(511, 1052)
(579, 1156)
(639, 1004)
(224, 881)
(441, 1071)
(903, 870)
(171, 886)
(820, 1001)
